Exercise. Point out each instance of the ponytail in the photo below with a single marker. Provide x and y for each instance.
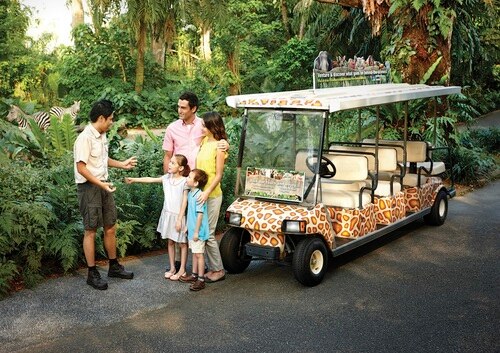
(183, 162)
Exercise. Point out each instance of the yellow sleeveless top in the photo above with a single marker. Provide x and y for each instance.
(207, 160)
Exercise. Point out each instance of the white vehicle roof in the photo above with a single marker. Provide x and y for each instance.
(340, 98)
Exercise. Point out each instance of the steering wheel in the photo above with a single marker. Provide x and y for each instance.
(326, 168)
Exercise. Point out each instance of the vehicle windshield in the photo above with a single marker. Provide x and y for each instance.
(276, 144)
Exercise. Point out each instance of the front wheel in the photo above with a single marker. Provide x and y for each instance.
(310, 261)
(232, 250)
(439, 210)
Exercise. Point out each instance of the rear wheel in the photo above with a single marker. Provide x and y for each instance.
(310, 261)
(232, 250)
(439, 210)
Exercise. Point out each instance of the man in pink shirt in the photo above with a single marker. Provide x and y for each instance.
(184, 136)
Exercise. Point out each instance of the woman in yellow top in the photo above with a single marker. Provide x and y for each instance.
(211, 160)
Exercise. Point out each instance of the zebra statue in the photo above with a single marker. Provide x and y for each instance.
(16, 114)
(72, 111)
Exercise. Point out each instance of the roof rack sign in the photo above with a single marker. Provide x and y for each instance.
(352, 72)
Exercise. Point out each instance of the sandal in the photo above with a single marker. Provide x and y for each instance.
(169, 274)
(176, 276)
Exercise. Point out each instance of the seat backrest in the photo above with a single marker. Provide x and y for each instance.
(349, 167)
(387, 156)
(416, 151)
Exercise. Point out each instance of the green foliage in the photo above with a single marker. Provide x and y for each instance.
(233, 130)
(8, 271)
(139, 205)
(125, 234)
(62, 134)
(472, 165)
(485, 139)
(292, 66)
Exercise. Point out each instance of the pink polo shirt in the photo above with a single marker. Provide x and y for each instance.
(181, 138)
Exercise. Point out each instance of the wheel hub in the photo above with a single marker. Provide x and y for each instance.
(316, 263)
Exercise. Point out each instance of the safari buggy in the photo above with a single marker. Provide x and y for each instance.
(303, 198)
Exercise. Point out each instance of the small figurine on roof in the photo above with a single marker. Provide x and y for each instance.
(323, 62)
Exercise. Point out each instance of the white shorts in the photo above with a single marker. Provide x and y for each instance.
(198, 246)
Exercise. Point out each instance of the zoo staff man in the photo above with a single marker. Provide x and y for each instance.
(95, 192)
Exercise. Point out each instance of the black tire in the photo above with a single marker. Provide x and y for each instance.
(310, 261)
(232, 250)
(439, 210)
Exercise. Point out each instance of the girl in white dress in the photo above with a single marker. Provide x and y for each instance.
(172, 223)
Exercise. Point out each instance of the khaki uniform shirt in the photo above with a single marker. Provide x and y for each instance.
(91, 147)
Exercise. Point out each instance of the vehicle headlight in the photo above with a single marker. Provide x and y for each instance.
(233, 218)
(293, 226)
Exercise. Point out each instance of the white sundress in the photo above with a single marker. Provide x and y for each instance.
(173, 190)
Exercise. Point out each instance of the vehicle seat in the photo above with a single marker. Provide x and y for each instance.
(387, 167)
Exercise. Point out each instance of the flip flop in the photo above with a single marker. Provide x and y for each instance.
(208, 280)
(169, 274)
(176, 276)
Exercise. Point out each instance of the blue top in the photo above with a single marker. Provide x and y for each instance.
(194, 207)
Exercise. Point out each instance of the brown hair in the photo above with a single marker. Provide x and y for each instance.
(183, 162)
(201, 177)
(214, 123)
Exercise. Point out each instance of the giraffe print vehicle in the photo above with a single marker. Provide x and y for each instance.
(304, 199)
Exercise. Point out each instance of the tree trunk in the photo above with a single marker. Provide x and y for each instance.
(284, 17)
(141, 46)
(206, 52)
(425, 57)
(232, 64)
(76, 13)
(158, 49)
(170, 32)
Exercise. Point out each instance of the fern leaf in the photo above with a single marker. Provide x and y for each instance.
(431, 70)
(69, 132)
(56, 136)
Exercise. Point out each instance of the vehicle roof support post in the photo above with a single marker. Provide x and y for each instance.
(320, 154)
(434, 137)
(405, 137)
(377, 127)
(240, 152)
(359, 125)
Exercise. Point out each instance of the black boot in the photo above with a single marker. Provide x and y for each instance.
(94, 279)
(117, 270)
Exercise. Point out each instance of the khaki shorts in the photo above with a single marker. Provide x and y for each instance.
(97, 206)
(198, 246)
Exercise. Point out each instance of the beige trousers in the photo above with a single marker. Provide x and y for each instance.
(212, 246)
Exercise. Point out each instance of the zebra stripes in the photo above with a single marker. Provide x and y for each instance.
(41, 118)
(60, 111)
(16, 114)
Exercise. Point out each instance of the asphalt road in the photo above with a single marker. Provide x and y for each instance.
(422, 289)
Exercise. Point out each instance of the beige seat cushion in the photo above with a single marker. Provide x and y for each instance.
(437, 167)
(412, 179)
(384, 187)
(345, 199)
